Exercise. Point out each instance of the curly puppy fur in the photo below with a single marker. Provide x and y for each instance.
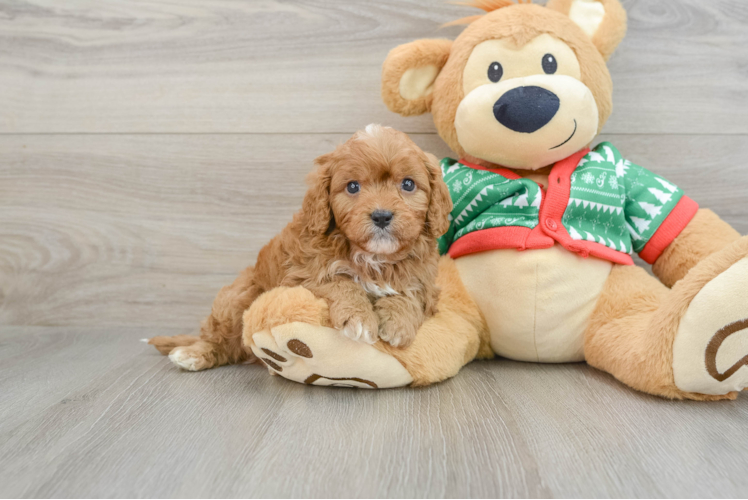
(376, 280)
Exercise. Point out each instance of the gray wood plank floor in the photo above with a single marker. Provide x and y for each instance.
(148, 149)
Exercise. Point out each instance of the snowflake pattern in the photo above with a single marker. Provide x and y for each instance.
(588, 178)
(613, 181)
(457, 187)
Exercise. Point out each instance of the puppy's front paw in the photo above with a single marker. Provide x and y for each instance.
(356, 323)
(398, 330)
(361, 327)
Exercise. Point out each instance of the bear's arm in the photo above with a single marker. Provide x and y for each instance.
(673, 233)
(703, 236)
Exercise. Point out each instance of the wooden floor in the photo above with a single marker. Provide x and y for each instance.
(149, 148)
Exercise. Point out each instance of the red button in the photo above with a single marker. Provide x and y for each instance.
(551, 224)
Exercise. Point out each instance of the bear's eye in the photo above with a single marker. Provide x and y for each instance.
(495, 72)
(353, 187)
(549, 64)
(408, 185)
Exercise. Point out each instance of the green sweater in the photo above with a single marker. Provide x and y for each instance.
(597, 203)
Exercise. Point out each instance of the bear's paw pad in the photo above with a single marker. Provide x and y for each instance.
(317, 355)
(710, 352)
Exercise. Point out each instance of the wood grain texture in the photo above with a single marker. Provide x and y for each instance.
(148, 149)
(314, 65)
(143, 230)
(92, 415)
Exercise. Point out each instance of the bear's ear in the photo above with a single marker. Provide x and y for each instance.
(408, 75)
(604, 21)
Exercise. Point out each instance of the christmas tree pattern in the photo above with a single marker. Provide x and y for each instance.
(615, 202)
(484, 200)
(612, 201)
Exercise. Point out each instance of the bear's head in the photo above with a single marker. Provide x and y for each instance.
(523, 86)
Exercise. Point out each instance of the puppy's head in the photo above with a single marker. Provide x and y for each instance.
(380, 190)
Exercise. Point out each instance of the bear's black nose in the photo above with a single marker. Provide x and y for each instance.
(381, 218)
(526, 109)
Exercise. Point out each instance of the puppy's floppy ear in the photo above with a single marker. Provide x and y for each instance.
(440, 204)
(604, 21)
(316, 205)
(408, 75)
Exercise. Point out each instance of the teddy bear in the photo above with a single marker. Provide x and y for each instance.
(537, 261)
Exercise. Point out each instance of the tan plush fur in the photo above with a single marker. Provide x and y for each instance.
(612, 30)
(418, 54)
(374, 279)
(704, 235)
(632, 330)
(608, 36)
(284, 305)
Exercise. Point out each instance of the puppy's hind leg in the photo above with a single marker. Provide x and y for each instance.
(200, 355)
(220, 340)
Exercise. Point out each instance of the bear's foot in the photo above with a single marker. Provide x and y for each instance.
(710, 351)
(288, 329)
(318, 355)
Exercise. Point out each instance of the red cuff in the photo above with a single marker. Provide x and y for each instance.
(495, 238)
(675, 223)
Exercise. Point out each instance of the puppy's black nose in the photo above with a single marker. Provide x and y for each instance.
(526, 109)
(381, 218)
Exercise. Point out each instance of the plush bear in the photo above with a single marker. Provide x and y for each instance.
(538, 262)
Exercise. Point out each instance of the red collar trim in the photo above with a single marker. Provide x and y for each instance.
(562, 168)
(504, 172)
(566, 167)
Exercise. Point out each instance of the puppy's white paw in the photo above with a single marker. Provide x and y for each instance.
(356, 330)
(396, 329)
(184, 360)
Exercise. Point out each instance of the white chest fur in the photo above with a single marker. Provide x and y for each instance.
(377, 290)
(373, 289)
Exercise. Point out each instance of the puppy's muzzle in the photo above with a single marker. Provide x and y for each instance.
(381, 218)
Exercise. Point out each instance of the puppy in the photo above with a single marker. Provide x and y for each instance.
(365, 240)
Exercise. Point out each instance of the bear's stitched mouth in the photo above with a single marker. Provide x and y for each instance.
(570, 137)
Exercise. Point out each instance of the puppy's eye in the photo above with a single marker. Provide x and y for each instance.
(408, 185)
(550, 65)
(495, 72)
(353, 187)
